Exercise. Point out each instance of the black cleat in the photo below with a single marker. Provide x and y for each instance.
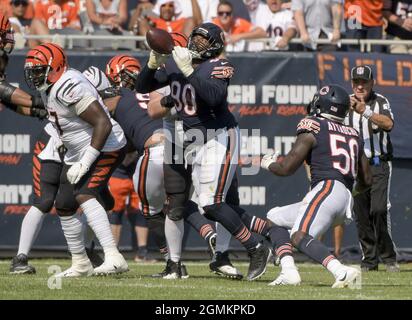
(175, 271)
(222, 266)
(164, 272)
(183, 271)
(258, 260)
(19, 265)
(212, 245)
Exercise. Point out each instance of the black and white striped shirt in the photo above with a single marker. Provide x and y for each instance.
(377, 141)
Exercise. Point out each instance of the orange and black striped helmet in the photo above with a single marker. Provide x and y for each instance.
(6, 35)
(122, 70)
(44, 66)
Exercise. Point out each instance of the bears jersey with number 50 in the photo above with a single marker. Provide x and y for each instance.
(336, 153)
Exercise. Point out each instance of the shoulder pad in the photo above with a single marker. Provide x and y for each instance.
(308, 125)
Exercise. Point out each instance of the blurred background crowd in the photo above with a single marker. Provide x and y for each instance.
(242, 21)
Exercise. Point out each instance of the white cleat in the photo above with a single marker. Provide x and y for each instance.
(348, 278)
(113, 264)
(287, 277)
(84, 269)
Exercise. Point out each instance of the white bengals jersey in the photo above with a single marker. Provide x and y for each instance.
(275, 25)
(75, 133)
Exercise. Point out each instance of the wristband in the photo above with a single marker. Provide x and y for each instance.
(367, 113)
(6, 91)
(90, 156)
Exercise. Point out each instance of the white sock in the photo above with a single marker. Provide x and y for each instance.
(223, 238)
(99, 223)
(174, 231)
(287, 262)
(335, 267)
(73, 232)
(30, 228)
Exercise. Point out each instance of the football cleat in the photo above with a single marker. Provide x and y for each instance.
(348, 278)
(175, 271)
(183, 271)
(222, 266)
(287, 277)
(113, 264)
(20, 265)
(165, 271)
(258, 259)
(78, 269)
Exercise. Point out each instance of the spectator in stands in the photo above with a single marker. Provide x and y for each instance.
(108, 18)
(278, 24)
(7, 10)
(21, 25)
(191, 9)
(399, 16)
(236, 29)
(169, 18)
(208, 9)
(318, 19)
(56, 17)
(144, 9)
(107, 15)
(363, 20)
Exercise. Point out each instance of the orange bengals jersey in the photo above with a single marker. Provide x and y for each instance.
(239, 26)
(371, 11)
(58, 16)
(5, 8)
(170, 26)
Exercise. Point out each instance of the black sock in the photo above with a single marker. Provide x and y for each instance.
(198, 221)
(315, 249)
(229, 219)
(280, 240)
(156, 226)
(142, 251)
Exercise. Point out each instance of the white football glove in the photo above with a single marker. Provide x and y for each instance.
(268, 159)
(76, 172)
(79, 169)
(156, 59)
(183, 59)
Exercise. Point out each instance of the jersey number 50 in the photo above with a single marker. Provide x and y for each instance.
(185, 97)
(350, 156)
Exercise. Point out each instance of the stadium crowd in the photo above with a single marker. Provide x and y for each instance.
(278, 20)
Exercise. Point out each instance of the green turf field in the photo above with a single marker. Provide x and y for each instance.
(137, 284)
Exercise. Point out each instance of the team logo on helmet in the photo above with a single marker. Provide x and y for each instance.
(324, 90)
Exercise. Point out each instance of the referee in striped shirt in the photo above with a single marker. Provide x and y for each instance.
(371, 115)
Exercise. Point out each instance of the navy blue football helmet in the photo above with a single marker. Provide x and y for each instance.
(215, 38)
(331, 102)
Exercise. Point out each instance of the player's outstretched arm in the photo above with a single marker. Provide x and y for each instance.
(21, 102)
(294, 159)
(159, 105)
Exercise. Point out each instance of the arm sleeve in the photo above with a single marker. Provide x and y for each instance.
(386, 109)
(150, 80)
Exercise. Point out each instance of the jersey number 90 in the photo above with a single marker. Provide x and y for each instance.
(185, 97)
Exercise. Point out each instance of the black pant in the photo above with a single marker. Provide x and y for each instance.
(371, 210)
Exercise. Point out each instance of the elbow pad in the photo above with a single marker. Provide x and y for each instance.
(6, 91)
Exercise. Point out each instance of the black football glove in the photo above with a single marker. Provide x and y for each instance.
(37, 102)
(167, 102)
(110, 92)
(38, 113)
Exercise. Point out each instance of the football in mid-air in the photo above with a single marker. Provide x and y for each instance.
(160, 41)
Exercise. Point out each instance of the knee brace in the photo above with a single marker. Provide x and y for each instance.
(116, 218)
(175, 206)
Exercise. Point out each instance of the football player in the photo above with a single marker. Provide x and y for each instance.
(335, 155)
(95, 146)
(198, 81)
(130, 110)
